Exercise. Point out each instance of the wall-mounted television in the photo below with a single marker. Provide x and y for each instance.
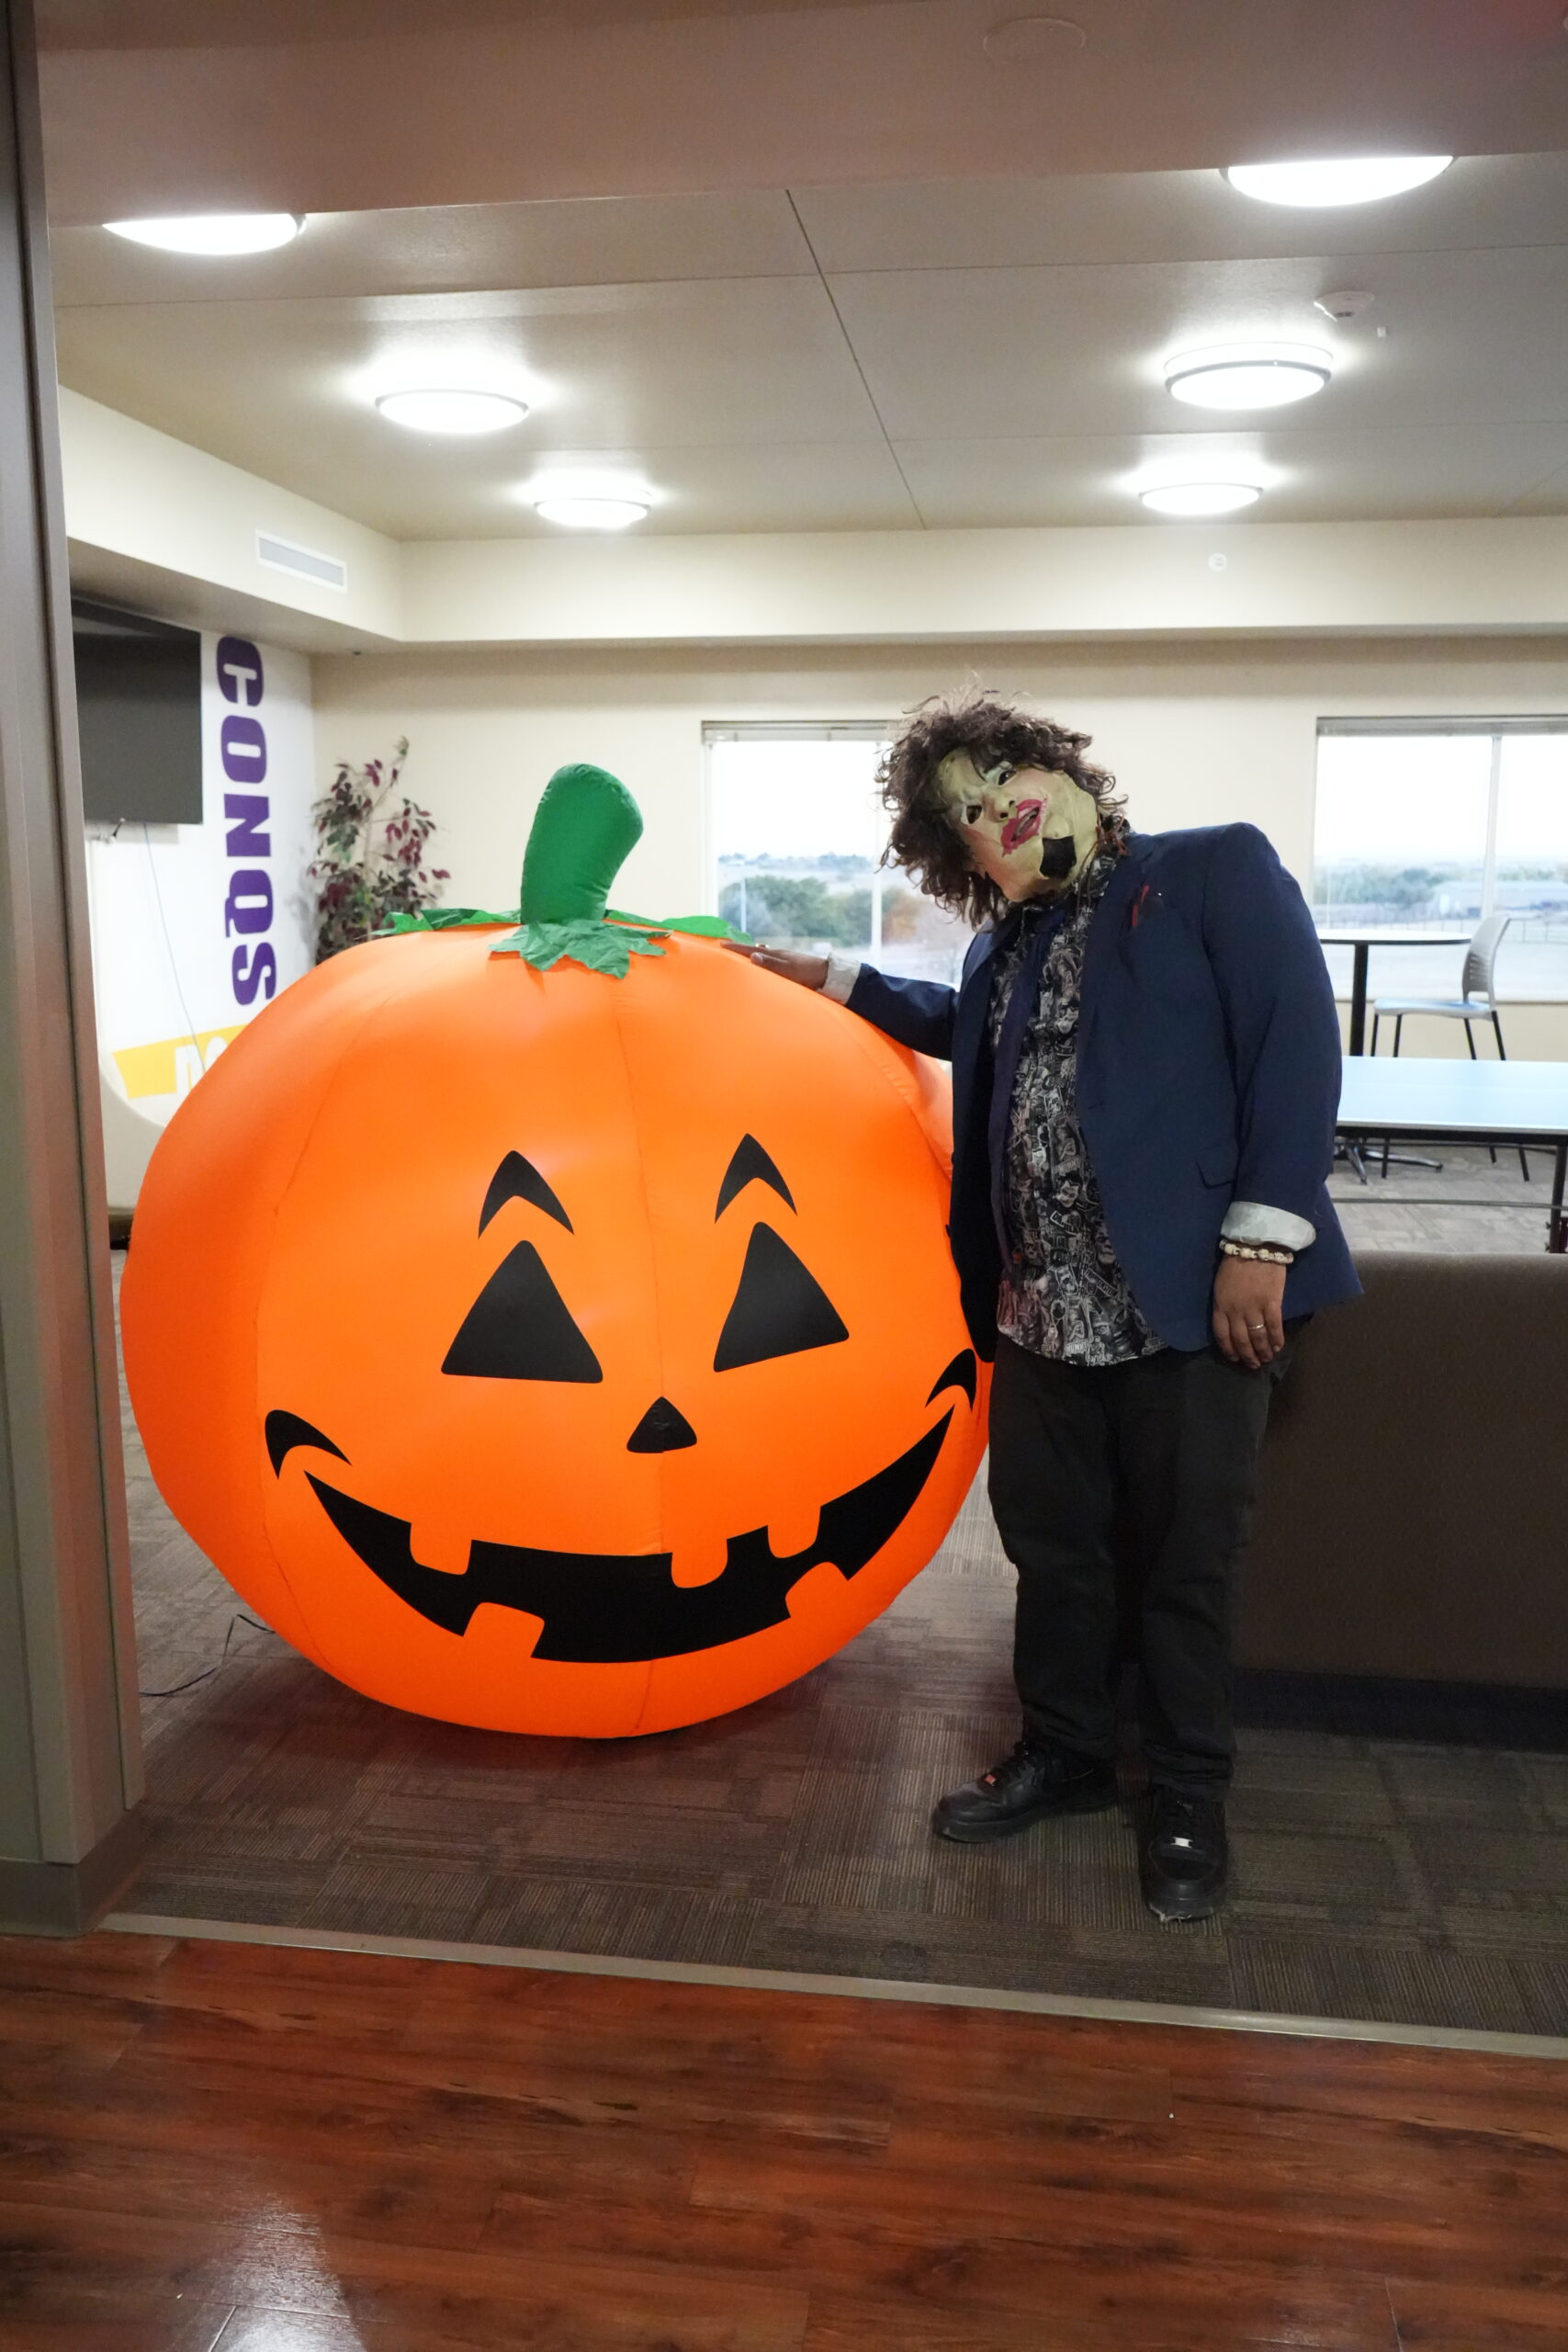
(139, 709)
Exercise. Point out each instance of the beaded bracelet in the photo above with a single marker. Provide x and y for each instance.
(1270, 1257)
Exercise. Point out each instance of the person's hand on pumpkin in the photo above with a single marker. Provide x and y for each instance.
(808, 971)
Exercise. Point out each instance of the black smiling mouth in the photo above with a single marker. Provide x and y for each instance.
(615, 1608)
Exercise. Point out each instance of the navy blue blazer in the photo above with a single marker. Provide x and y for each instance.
(1208, 1071)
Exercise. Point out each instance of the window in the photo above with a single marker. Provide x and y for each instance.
(1429, 827)
(798, 831)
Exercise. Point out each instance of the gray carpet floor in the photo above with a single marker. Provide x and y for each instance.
(1400, 1852)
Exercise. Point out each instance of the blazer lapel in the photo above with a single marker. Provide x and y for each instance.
(974, 997)
(987, 941)
(1105, 929)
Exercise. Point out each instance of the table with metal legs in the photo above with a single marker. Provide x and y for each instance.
(1511, 1103)
(1362, 939)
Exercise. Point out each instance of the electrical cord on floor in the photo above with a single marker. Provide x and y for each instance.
(239, 1618)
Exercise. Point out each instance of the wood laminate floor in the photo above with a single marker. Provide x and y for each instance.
(206, 2145)
(1398, 1857)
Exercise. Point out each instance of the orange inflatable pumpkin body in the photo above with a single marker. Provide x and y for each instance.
(554, 1351)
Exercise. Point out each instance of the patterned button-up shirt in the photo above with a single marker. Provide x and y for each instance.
(1063, 1293)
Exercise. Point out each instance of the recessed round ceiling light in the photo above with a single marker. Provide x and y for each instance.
(591, 514)
(213, 233)
(1200, 497)
(1354, 179)
(449, 409)
(1248, 375)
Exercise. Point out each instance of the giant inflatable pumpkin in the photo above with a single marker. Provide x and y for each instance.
(546, 1321)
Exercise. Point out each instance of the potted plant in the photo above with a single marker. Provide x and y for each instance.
(369, 864)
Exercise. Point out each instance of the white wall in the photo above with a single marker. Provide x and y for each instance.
(1232, 580)
(196, 927)
(168, 528)
(1196, 734)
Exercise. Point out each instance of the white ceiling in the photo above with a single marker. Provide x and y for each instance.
(930, 354)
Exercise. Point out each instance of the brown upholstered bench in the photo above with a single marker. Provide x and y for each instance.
(1413, 1514)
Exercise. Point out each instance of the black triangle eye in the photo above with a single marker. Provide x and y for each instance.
(518, 1179)
(750, 1164)
(780, 1309)
(520, 1328)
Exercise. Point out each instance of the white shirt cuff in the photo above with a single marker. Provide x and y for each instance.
(843, 971)
(1253, 1221)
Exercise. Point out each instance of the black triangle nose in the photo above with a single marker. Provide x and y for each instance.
(662, 1430)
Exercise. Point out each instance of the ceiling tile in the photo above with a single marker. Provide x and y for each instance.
(1172, 216)
(794, 486)
(1548, 494)
(1473, 338)
(1312, 476)
(607, 240)
(284, 389)
(791, 486)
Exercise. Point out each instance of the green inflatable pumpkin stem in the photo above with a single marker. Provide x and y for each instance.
(585, 828)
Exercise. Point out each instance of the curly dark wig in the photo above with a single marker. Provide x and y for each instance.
(923, 840)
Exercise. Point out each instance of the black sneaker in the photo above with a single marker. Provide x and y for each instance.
(1184, 1858)
(1026, 1786)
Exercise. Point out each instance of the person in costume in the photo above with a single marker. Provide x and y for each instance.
(1145, 1060)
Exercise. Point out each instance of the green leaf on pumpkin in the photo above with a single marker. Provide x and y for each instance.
(700, 926)
(598, 946)
(608, 944)
(711, 927)
(605, 946)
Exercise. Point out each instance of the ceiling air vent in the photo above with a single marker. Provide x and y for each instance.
(305, 563)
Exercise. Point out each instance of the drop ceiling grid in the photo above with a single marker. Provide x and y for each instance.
(930, 354)
(647, 377)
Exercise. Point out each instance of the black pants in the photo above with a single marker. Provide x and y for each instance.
(1123, 1496)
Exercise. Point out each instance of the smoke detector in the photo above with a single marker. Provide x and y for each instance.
(1349, 303)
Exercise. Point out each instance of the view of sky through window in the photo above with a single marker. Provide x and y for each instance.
(798, 830)
(1430, 832)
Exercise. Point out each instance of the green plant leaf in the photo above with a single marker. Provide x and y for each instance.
(449, 919)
